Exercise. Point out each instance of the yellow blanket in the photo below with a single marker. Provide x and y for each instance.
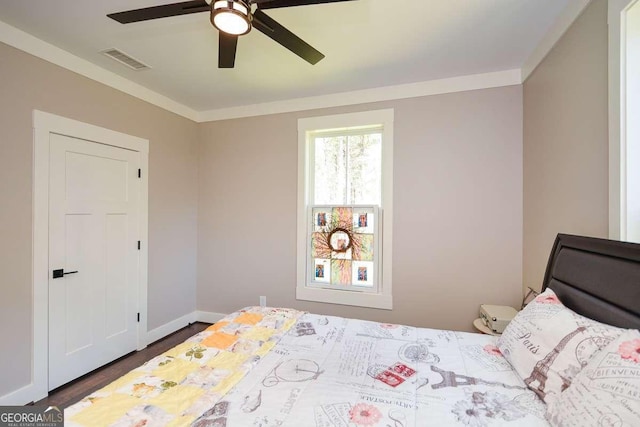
(175, 388)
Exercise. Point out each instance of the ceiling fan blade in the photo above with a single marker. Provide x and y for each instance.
(164, 11)
(272, 4)
(268, 26)
(227, 45)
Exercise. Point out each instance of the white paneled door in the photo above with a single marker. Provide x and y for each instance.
(94, 204)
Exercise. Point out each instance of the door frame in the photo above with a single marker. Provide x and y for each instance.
(45, 124)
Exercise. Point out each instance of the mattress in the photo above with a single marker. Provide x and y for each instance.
(281, 367)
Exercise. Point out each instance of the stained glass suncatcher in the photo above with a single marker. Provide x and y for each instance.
(343, 247)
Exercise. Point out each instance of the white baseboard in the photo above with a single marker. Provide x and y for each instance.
(179, 323)
(208, 317)
(21, 396)
(170, 327)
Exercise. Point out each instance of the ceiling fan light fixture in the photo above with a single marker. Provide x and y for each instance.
(231, 16)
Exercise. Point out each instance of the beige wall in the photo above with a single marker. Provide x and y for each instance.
(462, 191)
(28, 83)
(460, 228)
(458, 184)
(458, 209)
(566, 141)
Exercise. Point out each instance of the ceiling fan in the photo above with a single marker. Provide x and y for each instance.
(234, 18)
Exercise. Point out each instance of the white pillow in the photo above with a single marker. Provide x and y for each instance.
(547, 344)
(607, 391)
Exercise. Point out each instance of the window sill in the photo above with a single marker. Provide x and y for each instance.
(357, 299)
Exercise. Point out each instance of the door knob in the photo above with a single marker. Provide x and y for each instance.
(60, 273)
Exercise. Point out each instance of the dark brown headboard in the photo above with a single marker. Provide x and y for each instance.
(597, 278)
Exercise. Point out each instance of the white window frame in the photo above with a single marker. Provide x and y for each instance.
(383, 297)
(618, 144)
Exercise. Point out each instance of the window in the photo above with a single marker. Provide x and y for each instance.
(624, 131)
(345, 172)
(632, 137)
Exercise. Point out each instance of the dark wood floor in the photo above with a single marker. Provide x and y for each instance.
(72, 392)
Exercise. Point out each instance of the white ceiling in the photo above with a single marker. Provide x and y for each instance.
(367, 43)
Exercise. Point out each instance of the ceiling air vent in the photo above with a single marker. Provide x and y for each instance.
(125, 59)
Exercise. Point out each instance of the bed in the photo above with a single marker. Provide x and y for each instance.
(282, 367)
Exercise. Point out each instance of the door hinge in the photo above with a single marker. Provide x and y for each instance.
(139, 173)
(138, 244)
(138, 317)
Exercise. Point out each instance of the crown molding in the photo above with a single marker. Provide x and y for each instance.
(39, 48)
(385, 93)
(553, 35)
(30, 44)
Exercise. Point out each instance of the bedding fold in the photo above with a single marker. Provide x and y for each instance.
(178, 386)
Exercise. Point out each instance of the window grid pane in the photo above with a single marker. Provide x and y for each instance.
(330, 170)
(365, 163)
(347, 168)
